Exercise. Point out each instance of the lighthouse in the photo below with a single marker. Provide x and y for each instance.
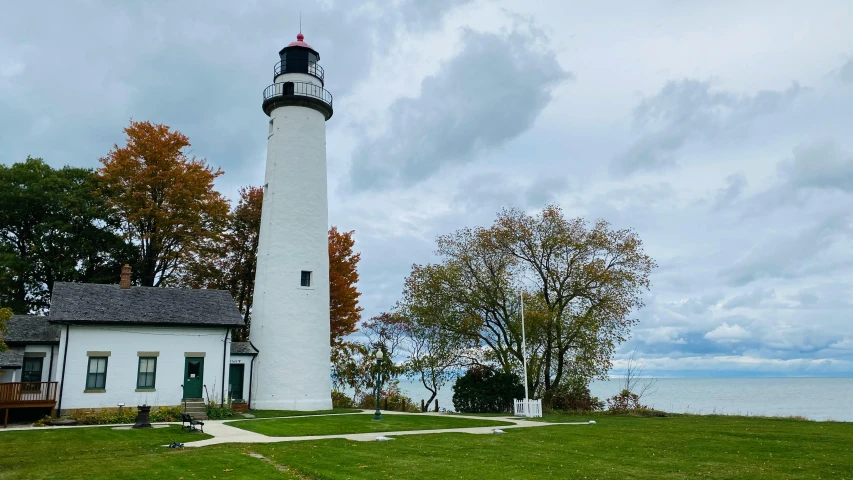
(290, 314)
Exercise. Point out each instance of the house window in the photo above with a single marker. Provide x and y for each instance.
(306, 279)
(147, 372)
(97, 376)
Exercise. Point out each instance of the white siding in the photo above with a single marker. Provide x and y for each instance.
(290, 323)
(8, 375)
(124, 343)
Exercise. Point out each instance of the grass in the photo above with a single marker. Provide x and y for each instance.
(104, 453)
(363, 423)
(298, 413)
(678, 447)
(616, 447)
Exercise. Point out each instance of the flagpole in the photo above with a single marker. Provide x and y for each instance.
(524, 356)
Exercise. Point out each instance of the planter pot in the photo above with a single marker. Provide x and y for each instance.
(143, 413)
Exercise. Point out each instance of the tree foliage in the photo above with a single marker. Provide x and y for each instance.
(579, 287)
(229, 261)
(483, 390)
(344, 311)
(165, 199)
(5, 315)
(53, 227)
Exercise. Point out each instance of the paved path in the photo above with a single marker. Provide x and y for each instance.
(226, 434)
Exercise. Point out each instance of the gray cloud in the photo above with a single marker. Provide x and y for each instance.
(77, 72)
(788, 256)
(487, 95)
(820, 165)
(846, 72)
(735, 185)
(754, 298)
(689, 110)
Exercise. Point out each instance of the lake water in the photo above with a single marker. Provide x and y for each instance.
(814, 398)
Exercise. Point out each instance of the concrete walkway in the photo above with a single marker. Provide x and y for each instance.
(226, 434)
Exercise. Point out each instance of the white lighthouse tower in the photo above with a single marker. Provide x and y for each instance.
(290, 315)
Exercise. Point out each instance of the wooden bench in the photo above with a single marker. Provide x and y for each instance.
(187, 421)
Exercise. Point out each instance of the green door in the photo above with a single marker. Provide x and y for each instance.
(31, 374)
(193, 377)
(235, 380)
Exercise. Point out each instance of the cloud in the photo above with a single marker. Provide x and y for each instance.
(846, 72)
(664, 335)
(754, 298)
(490, 93)
(726, 333)
(735, 185)
(689, 110)
(815, 249)
(199, 67)
(819, 165)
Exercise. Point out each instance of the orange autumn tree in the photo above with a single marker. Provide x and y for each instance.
(165, 198)
(229, 263)
(344, 312)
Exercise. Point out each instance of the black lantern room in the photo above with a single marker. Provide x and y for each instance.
(299, 57)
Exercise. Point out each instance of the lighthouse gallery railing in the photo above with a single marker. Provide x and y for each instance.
(298, 88)
(313, 69)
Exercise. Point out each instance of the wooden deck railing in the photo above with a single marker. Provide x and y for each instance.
(28, 394)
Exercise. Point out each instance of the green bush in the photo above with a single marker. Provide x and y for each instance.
(217, 411)
(572, 396)
(166, 414)
(126, 415)
(341, 400)
(390, 398)
(482, 390)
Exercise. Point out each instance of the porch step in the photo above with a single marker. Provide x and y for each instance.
(196, 407)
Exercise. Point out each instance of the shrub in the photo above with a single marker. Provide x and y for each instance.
(127, 415)
(166, 414)
(572, 396)
(216, 411)
(341, 400)
(391, 396)
(624, 401)
(482, 390)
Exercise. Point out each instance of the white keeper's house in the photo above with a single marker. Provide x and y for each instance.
(104, 346)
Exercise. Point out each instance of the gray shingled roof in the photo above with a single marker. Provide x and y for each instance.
(23, 329)
(89, 303)
(12, 358)
(243, 348)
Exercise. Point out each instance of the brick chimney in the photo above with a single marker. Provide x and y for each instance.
(125, 277)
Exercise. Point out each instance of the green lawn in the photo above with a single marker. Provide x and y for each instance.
(615, 448)
(298, 413)
(363, 423)
(104, 453)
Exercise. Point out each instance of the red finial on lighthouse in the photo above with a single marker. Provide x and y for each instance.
(300, 37)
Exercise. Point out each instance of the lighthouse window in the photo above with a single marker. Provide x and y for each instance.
(271, 120)
(306, 278)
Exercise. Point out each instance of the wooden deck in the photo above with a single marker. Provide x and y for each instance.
(27, 395)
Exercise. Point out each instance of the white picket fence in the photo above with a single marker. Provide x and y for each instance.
(532, 409)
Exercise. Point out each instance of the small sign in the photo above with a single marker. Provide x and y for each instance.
(192, 375)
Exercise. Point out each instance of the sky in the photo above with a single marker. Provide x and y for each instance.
(722, 132)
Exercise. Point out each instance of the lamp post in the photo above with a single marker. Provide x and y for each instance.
(378, 415)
